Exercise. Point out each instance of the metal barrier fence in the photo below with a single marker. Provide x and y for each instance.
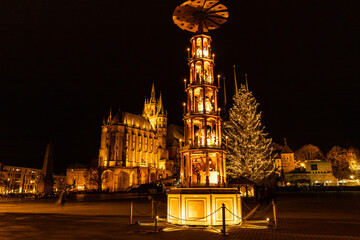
(255, 215)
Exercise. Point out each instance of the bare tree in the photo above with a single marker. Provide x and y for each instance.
(94, 174)
(354, 161)
(95, 177)
(308, 152)
(338, 157)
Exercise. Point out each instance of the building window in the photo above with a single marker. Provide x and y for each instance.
(133, 141)
(314, 167)
(146, 143)
(151, 144)
(127, 140)
(140, 143)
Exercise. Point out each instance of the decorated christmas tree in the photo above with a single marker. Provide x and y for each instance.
(249, 149)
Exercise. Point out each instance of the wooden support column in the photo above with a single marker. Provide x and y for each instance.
(202, 49)
(204, 110)
(219, 131)
(190, 168)
(207, 169)
(215, 99)
(187, 170)
(188, 105)
(217, 142)
(185, 133)
(202, 70)
(224, 166)
(205, 131)
(182, 168)
(191, 132)
(219, 168)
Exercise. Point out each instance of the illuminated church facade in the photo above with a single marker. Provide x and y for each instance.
(132, 150)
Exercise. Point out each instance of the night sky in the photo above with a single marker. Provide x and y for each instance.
(63, 64)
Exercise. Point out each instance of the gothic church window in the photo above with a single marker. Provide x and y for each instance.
(133, 141)
(127, 140)
(140, 142)
(151, 145)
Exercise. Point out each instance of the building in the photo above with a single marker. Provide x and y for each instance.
(14, 179)
(174, 137)
(25, 180)
(285, 159)
(312, 173)
(19, 179)
(132, 151)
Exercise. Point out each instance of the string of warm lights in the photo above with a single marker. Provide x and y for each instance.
(193, 219)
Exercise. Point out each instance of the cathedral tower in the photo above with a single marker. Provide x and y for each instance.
(154, 112)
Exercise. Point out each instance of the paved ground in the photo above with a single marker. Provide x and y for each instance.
(301, 216)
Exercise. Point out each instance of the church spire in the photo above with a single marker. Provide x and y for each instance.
(110, 117)
(160, 106)
(286, 148)
(246, 82)
(236, 87)
(152, 98)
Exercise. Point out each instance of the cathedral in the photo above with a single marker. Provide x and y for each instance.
(132, 150)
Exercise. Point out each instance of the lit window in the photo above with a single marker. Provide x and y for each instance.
(133, 141)
(314, 167)
(151, 144)
(140, 142)
(127, 140)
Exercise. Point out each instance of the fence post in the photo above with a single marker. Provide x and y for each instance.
(275, 214)
(131, 211)
(223, 217)
(156, 216)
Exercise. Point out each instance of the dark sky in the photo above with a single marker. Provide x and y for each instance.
(63, 64)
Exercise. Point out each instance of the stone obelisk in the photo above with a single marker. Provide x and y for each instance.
(46, 181)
